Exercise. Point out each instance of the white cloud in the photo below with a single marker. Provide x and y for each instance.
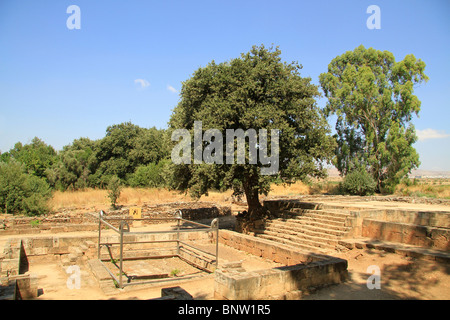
(172, 89)
(431, 134)
(142, 82)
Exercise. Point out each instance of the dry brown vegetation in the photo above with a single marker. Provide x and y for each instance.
(433, 188)
(129, 196)
(97, 198)
(137, 196)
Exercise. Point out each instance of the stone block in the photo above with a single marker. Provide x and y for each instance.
(39, 251)
(42, 242)
(27, 285)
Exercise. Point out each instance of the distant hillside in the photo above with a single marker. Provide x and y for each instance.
(429, 174)
(333, 172)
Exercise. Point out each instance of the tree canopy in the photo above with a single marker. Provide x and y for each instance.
(37, 156)
(256, 91)
(373, 98)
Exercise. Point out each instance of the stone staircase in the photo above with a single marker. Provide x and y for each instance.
(316, 230)
(79, 254)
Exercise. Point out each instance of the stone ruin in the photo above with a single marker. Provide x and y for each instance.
(302, 236)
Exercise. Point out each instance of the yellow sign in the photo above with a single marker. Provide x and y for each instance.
(135, 213)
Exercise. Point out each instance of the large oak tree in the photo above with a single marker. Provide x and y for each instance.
(256, 91)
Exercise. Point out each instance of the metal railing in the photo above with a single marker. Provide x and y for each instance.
(124, 229)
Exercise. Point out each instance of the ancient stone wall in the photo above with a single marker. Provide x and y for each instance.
(428, 237)
(14, 275)
(83, 221)
(303, 270)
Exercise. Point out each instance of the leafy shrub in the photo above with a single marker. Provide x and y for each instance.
(21, 192)
(37, 156)
(359, 182)
(115, 188)
(147, 176)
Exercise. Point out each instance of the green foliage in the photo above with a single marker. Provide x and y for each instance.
(76, 162)
(126, 147)
(147, 176)
(359, 182)
(256, 91)
(36, 156)
(21, 192)
(35, 223)
(114, 190)
(175, 272)
(84, 163)
(87, 163)
(113, 151)
(372, 96)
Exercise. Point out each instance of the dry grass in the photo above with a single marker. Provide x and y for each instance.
(289, 190)
(98, 199)
(79, 198)
(433, 188)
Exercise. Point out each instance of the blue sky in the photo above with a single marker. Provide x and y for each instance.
(129, 58)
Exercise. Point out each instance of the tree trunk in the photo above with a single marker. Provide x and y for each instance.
(255, 209)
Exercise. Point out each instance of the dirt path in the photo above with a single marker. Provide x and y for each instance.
(400, 278)
(53, 279)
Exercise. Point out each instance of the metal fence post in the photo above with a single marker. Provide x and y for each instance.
(122, 224)
(178, 215)
(121, 256)
(215, 224)
(100, 216)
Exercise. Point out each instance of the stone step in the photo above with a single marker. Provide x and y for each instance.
(321, 219)
(398, 248)
(306, 212)
(306, 237)
(77, 251)
(336, 231)
(105, 280)
(326, 241)
(315, 222)
(73, 257)
(303, 245)
(336, 212)
(66, 261)
(313, 242)
(300, 232)
(315, 230)
(325, 215)
(323, 230)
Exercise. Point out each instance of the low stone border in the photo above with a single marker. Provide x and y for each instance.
(303, 270)
(18, 283)
(398, 248)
